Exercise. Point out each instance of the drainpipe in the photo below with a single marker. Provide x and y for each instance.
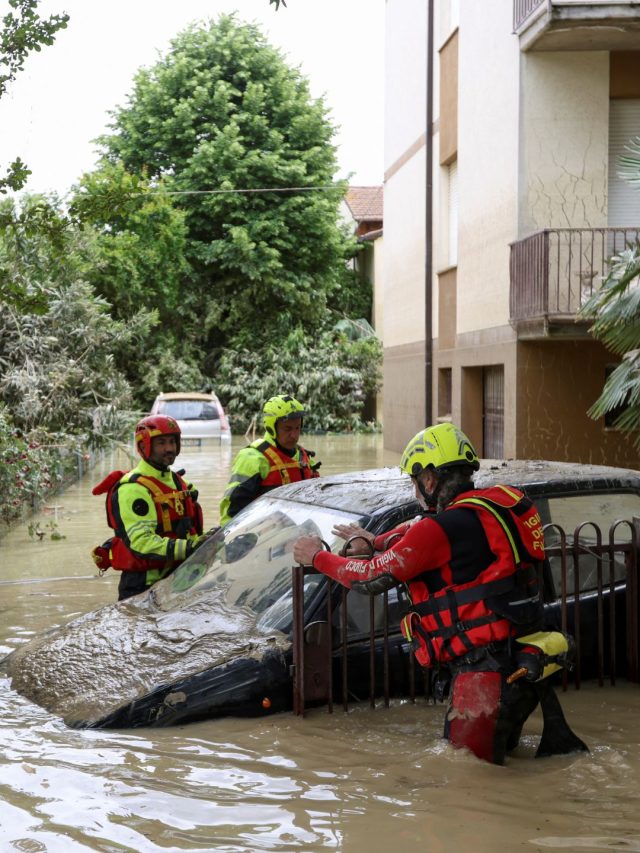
(428, 265)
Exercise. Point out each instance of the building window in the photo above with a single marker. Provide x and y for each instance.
(452, 207)
(444, 394)
(493, 411)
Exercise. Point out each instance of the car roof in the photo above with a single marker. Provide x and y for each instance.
(186, 395)
(369, 493)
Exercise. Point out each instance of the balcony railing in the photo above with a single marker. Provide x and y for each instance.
(553, 272)
(560, 25)
(522, 9)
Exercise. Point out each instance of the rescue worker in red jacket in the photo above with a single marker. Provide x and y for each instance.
(471, 571)
(153, 512)
(271, 461)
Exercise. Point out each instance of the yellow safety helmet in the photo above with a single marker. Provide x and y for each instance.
(438, 447)
(280, 408)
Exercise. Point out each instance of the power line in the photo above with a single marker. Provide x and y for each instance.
(245, 191)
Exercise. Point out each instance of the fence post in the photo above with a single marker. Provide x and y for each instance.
(633, 602)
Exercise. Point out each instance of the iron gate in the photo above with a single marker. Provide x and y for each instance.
(608, 604)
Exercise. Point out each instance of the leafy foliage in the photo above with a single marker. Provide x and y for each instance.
(615, 308)
(224, 123)
(332, 377)
(34, 251)
(135, 259)
(28, 471)
(21, 34)
(56, 365)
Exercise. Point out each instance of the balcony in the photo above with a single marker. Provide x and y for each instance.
(553, 273)
(576, 25)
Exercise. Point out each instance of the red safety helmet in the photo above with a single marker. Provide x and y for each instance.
(151, 426)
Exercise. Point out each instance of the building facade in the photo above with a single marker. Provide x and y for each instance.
(505, 120)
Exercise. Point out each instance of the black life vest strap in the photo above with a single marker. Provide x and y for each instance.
(432, 605)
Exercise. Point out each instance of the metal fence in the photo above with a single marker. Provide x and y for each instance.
(591, 592)
(555, 271)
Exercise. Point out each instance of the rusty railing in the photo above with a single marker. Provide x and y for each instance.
(553, 272)
(321, 650)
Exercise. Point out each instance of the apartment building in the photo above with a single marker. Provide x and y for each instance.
(505, 120)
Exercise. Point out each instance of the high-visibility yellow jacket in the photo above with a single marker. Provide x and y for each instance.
(260, 467)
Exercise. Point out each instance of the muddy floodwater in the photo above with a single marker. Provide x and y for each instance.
(365, 782)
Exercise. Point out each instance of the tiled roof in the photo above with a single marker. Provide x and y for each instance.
(365, 203)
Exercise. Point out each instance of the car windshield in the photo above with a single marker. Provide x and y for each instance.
(251, 557)
(190, 410)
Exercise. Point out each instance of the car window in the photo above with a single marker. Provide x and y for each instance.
(569, 511)
(251, 557)
(189, 410)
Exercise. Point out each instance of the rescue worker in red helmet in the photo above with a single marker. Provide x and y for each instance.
(154, 513)
(271, 461)
(471, 573)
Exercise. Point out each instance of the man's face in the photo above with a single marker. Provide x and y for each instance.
(429, 480)
(164, 449)
(288, 433)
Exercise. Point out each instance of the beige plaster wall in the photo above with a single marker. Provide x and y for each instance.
(403, 262)
(557, 382)
(473, 351)
(488, 97)
(565, 140)
(404, 384)
(405, 76)
(403, 265)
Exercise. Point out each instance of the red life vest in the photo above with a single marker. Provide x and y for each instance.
(285, 469)
(503, 601)
(178, 514)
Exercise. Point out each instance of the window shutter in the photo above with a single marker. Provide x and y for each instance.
(624, 199)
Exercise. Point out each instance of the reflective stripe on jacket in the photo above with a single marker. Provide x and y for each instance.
(153, 515)
(257, 469)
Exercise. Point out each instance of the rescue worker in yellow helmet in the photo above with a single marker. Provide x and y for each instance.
(471, 572)
(273, 460)
(153, 511)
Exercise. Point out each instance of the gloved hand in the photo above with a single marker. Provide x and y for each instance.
(195, 542)
(375, 585)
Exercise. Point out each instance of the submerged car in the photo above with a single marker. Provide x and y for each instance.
(200, 415)
(215, 637)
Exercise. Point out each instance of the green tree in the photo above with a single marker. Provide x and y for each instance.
(57, 371)
(615, 309)
(225, 122)
(138, 251)
(136, 261)
(21, 34)
(333, 374)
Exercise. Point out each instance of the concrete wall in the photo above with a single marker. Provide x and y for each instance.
(403, 330)
(557, 383)
(487, 162)
(564, 140)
